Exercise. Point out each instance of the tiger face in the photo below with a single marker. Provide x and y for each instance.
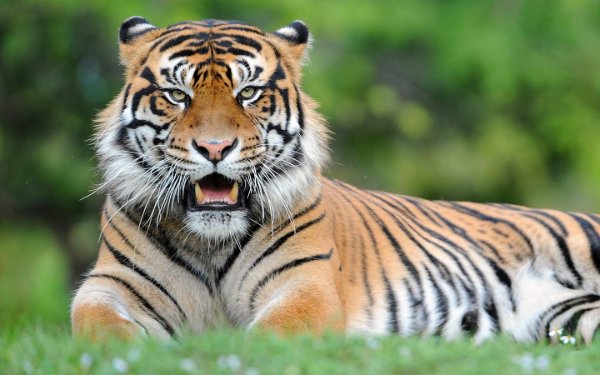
(211, 128)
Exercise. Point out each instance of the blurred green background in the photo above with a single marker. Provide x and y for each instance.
(467, 100)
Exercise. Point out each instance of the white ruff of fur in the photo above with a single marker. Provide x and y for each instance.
(276, 196)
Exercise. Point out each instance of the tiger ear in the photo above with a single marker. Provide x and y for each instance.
(132, 31)
(297, 37)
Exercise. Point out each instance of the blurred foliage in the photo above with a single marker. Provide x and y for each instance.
(33, 281)
(465, 99)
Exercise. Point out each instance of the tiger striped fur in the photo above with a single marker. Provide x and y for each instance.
(294, 251)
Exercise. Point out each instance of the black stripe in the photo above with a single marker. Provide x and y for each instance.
(148, 307)
(116, 229)
(503, 277)
(562, 307)
(185, 53)
(235, 253)
(178, 40)
(525, 211)
(450, 246)
(570, 326)
(411, 233)
(470, 321)
(593, 239)
(159, 240)
(298, 215)
(137, 97)
(481, 216)
(564, 250)
(435, 235)
(417, 204)
(293, 264)
(440, 266)
(148, 76)
(390, 297)
(171, 253)
(240, 52)
(126, 262)
(280, 241)
(154, 108)
(242, 27)
(492, 248)
(125, 97)
(138, 142)
(489, 305)
(410, 267)
(393, 324)
(553, 219)
(489, 299)
(245, 41)
(441, 301)
(595, 218)
(365, 280)
(299, 108)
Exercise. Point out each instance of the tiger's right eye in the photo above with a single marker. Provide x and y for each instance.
(177, 96)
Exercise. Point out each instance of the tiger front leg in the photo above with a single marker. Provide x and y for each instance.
(298, 297)
(101, 310)
(99, 322)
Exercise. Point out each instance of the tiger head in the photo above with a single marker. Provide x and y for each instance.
(211, 127)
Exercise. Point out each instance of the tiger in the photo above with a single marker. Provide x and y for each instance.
(218, 215)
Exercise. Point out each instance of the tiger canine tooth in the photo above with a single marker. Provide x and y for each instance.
(233, 194)
(200, 196)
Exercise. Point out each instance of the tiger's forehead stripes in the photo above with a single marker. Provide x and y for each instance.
(231, 57)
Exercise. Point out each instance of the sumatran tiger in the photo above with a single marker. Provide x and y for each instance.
(217, 215)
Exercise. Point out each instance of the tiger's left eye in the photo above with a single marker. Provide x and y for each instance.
(177, 96)
(247, 93)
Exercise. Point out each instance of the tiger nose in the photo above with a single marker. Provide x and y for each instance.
(215, 150)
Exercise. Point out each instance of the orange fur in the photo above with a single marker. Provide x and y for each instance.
(99, 323)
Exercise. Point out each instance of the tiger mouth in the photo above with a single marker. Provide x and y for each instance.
(216, 192)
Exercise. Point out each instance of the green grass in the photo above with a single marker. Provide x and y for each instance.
(37, 350)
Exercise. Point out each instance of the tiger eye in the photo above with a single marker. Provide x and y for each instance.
(247, 93)
(178, 95)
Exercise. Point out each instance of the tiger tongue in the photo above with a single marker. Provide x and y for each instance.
(216, 194)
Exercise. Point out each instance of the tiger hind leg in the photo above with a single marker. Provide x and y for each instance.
(100, 322)
(576, 317)
(549, 310)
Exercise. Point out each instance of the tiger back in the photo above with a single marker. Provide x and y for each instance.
(217, 214)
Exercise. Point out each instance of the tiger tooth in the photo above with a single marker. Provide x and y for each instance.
(233, 194)
(200, 196)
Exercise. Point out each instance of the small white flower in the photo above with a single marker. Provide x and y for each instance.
(27, 367)
(372, 343)
(120, 365)
(133, 355)
(187, 365)
(542, 362)
(568, 340)
(556, 332)
(405, 352)
(86, 361)
(526, 361)
(252, 371)
(232, 362)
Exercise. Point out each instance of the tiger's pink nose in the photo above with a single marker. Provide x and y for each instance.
(214, 149)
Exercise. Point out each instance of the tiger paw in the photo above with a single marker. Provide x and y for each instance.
(100, 323)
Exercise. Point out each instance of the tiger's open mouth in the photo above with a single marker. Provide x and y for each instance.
(216, 192)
